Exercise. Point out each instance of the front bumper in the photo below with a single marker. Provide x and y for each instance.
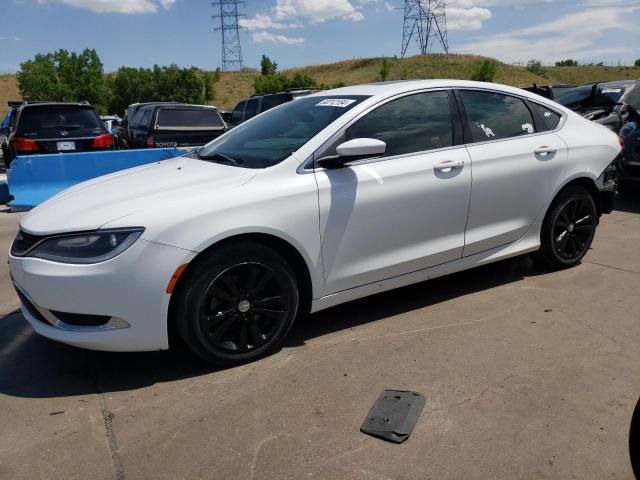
(129, 291)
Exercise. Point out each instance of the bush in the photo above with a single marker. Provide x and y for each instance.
(485, 71)
(267, 67)
(535, 66)
(278, 82)
(385, 69)
(636, 63)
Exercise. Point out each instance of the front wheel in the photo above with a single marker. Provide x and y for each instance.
(568, 229)
(236, 304)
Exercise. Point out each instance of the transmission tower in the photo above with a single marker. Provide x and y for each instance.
(426, 22)
(227, 15)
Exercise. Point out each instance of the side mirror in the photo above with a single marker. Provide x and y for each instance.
(356, 149)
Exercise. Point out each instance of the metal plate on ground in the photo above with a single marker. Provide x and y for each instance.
(394, 415)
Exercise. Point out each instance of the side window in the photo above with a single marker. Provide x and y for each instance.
(270, 101)
(252, 109)
(493, 116)
(414, 123)
(236, 115)
(141, 118)
(550, 118)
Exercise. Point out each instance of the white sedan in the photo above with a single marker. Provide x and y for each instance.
(329, 198)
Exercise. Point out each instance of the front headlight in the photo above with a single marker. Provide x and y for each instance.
(83, 248)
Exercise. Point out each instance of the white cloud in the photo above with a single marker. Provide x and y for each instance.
(266, 37)
(262, 21)
(129, 7)
(466, 18)
(564, 37)
(317, 11)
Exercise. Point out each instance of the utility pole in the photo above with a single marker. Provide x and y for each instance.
(426, 22)
(226, 19)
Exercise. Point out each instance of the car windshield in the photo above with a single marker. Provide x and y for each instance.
(276, 134)
(574, 95)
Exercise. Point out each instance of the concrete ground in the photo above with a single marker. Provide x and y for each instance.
(527, 375)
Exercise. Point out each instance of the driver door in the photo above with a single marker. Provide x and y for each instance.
(400, 212)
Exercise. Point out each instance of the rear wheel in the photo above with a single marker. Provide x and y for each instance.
(237, 304)
(568, 229)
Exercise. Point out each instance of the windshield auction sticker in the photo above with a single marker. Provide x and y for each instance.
(335, 102)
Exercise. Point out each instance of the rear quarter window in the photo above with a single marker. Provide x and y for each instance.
(549, 117)
(185, 118)
(270, 101)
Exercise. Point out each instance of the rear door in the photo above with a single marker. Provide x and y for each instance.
(516, 160)
(186, 127)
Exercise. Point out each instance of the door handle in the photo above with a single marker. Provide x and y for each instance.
(448, 165)
(544, 151)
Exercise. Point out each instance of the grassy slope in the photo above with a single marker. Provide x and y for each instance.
(235, 86)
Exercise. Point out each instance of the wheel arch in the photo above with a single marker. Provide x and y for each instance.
(588, 184)
(289, 252)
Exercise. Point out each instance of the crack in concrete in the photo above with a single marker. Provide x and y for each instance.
(611, 267)
(107, 417)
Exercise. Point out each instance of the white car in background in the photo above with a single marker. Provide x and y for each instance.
(333, 197)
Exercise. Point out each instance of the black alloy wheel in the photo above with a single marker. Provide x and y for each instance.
(244, 307)
(236, 303)
(568, 228)
(573, 228)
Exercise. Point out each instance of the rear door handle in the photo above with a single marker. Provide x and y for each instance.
(448, 165)
(544, 151)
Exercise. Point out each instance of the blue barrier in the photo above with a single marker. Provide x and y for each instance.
(35, 178)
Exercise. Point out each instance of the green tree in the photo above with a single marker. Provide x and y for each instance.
(64, 76)
(385, 69)
(278, 82)
(636, 63)
(567, 63)
(209, 92)
(217, 75)
(484, 71)
(268, 67)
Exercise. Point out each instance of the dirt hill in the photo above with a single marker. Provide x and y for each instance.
(237, 85)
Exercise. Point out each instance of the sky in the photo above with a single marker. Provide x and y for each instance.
(142, 33)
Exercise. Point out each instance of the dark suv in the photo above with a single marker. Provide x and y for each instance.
(174, 125)
(49, 127)
(252, 106)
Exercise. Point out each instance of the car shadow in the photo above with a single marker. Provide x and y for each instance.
(32, 366)
(627, 205)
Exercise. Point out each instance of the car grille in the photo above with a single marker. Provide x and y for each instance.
(24, 242)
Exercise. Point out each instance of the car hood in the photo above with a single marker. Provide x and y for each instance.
(92, 204)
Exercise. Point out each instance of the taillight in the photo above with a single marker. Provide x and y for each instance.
(104, 140)
(151, 142)
(24, 145)
(621, 139)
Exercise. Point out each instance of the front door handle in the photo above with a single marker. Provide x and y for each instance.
(544, 151)
(448, 165)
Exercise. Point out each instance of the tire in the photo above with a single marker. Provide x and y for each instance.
(568, 229)
(236, 304)
(634, 441)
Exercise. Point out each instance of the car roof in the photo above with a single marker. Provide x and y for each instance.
(382, 90)
(182, 106)
(56, 104)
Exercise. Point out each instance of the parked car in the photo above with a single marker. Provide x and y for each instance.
(250, 107)
(628, 166)
(6, 126)
(611, 104)
(550, 91)
(53, 127)
(111, 121)
(316, 202)
(174, 125)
